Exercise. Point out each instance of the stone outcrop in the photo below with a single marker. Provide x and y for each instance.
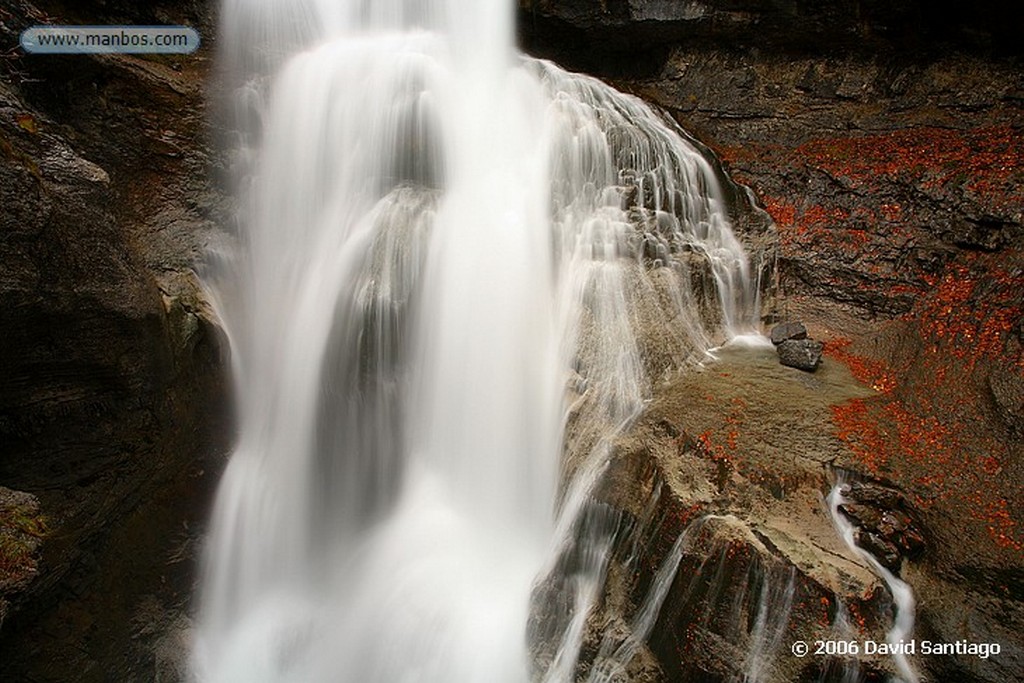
(719, 487)
(884, 527)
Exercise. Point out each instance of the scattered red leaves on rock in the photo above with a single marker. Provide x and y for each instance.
(985, 160)
(922, 428)
(928, 428)
(874, 373)
(971, 312)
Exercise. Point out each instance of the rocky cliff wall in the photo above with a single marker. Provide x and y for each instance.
(111, 364)
(635, 36)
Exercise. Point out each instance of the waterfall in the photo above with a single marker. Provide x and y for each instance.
(441, 251)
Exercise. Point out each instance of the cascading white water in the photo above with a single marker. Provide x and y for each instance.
(613, 658)
(433, 232)
(902, 595)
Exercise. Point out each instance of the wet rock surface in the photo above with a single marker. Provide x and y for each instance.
(719, 487)
(884, 526)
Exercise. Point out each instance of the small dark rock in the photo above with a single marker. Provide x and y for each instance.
(885, 552)
(876, 495)
(803, 354)
(862, 515)
(786, 331)
(893, 524)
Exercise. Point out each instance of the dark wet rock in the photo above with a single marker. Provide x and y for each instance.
(862, 515)
(885, 528)
(803, 354)
(912, 543)
(877, 495)
(884, 551)
(786, 331)
(892, 523)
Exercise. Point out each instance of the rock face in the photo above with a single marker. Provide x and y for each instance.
(112, 364)
(715, 501)
(1008, 393)
(633, 36)
(885, 142)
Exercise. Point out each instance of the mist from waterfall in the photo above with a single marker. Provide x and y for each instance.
(440, 254)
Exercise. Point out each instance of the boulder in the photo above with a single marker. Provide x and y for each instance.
(803, 354)
(786, 331)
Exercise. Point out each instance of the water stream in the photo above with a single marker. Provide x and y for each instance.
(902, 595)
(435, 235)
